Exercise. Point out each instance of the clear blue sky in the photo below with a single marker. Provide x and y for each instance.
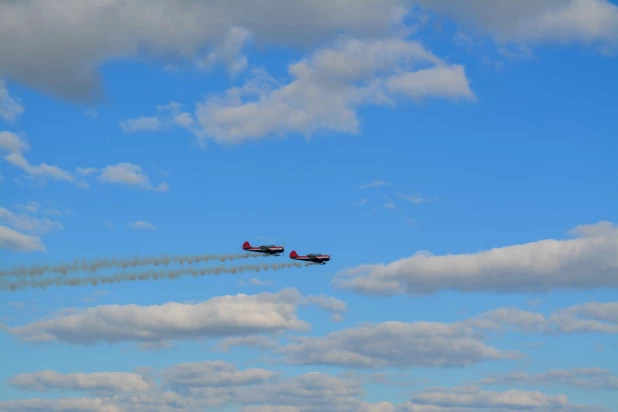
(189, 130)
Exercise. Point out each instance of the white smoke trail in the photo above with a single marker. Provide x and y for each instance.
(139, 276)
(107, 263)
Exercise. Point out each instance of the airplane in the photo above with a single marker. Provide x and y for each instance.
(267, 249)
(316, 258)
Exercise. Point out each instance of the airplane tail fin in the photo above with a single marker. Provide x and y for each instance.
(293, 254)
(246, 245)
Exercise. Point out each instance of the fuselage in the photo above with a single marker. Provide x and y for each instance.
(315, 258)
(269, 249)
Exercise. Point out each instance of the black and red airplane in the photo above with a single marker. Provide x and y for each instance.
(316, 258)
(266, 249)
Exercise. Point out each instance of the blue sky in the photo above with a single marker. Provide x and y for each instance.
(456, 161)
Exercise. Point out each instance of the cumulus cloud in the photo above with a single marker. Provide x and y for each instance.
(18, 242)
(10, 109)
(212, 374)
(582, 378)
(396, 344)
(434, 344)
(143, 123)
(130, 175)
(120, 173)
(12, 236)
(30, 224)
(543, 21)
(590, 317)
(44, 208)
(194, 386)
(167, 116)
(471, 399)
(59, 53)
(327, 87)
(598, 317)
(218, 317)
(197, 386)
(47, 380)
(16, 146)
(86, 171)
(61, 405)
(588, 261)
(257, 342)
(142, 225)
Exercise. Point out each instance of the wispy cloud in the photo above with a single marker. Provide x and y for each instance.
(375, 183)
(131, 175)
(416, 199)
(10, 108)
(142, 225)
(92, 113)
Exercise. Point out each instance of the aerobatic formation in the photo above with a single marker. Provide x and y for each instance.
(272, 250)
(33, 276)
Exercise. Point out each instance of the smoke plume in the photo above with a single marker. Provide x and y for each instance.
(60, 281)
(107, 263)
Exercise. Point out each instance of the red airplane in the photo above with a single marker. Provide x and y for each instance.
(316, 258)
(267, 249)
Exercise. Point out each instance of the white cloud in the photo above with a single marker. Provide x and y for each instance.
(588, 261)
(59, 53)
(10, 109)
(141, 124)
(47, 208)
(396, 344)
(92, 113)
(13, 240)
(229, 52)
(131, 175)
(599, 317)
(434, 344)
(442, 81)
(590, 317)
(13, 144)
(326, 89)
(375, 183)
(197, 386)
(30, 206)
(543, 21)
(167, 116)
(416, 199)
(224, 316)
(212, 374)
(255, 282)
(256, 342)
(200, 386)
(25, 223)
(61, 405)
(47, 380)
(86, 171)
(583, 378)
(142, 225)
(472, 399)
(122, 173)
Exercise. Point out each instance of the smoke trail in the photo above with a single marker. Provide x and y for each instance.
(133, 277)
(98, 264)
